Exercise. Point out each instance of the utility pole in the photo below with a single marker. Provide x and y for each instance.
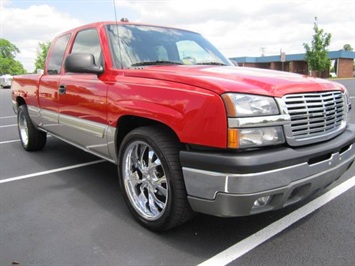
(262, 51)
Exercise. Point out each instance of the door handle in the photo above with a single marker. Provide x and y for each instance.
(62, 89)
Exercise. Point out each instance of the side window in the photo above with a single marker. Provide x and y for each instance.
(57, 56)
(88, 41)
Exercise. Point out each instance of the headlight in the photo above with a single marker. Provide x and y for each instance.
(255, 137)
(248, 106)
(244, 105)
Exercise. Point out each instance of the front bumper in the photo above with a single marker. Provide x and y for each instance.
(229, 184)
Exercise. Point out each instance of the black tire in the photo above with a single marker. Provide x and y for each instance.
(151, 178)
(31, 138)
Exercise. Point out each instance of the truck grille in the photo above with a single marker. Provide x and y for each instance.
(315, 114)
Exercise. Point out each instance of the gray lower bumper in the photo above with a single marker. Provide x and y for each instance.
(288, 175)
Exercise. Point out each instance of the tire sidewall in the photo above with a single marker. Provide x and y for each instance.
(161, 222)
(36, 139)
(22, 110)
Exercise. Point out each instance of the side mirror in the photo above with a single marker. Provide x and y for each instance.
(82, 63)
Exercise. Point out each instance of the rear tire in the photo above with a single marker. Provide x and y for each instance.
(31, 138)
(151, 178)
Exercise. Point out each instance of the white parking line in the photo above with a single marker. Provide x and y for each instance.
(16, 140)
(5, 117)
(14, 125)
(246, 245)
(50, 171)
(9, 141)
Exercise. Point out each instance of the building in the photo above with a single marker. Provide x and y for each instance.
(343, 63)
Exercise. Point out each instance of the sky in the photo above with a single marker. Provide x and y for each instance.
(237, 28)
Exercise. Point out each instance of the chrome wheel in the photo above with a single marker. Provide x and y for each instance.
(144, 180)
(23, 128)
(32, 139)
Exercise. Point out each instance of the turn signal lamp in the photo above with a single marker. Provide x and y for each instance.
(233, 138)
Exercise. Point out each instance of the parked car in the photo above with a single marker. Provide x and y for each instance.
(5, 81)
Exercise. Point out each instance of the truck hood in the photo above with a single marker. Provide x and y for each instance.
(222, 79)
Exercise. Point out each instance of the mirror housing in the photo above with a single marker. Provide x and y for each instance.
(82, 63)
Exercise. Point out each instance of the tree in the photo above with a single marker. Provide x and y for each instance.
(347, 47)
(8, 64)
(316, 53)
(42, 51)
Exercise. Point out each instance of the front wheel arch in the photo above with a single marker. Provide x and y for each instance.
(128, 123)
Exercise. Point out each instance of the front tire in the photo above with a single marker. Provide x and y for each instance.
(31, 138)
(151, 178)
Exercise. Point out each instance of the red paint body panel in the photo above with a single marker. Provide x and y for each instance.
(26, 86)
(48, 92)
(196, 115)
(85, 97)
(222, 79)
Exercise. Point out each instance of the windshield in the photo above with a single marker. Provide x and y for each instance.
(136, 45)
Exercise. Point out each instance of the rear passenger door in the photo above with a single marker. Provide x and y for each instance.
(49, 85)
(83, 99)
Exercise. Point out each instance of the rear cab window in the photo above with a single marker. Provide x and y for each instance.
(57, 55)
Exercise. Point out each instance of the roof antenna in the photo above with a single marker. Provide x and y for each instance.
(118, 33)
(114, 8)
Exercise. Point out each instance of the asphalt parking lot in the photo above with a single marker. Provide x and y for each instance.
(62, 206)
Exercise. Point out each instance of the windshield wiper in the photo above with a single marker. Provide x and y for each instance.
(158, 62)
(211, 63)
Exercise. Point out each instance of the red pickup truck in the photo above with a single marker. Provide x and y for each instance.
(188, 130)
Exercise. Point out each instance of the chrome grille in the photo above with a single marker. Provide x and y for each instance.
(315, 114)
